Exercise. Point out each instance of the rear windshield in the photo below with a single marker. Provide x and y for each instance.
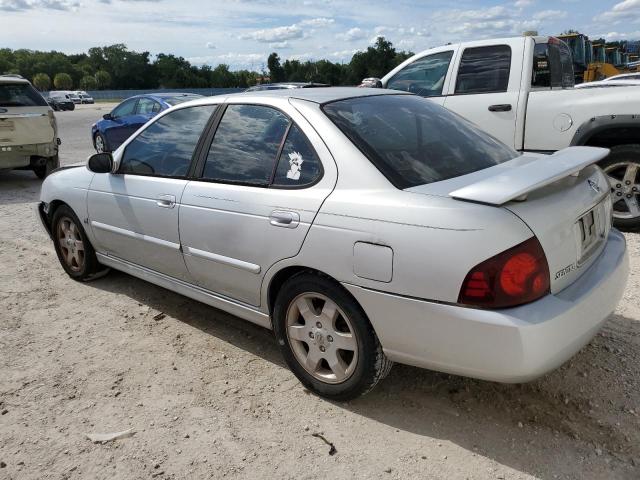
(20, 95)
(181, 99)
(414, 141)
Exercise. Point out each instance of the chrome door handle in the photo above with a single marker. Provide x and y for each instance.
(166, 201)
(282, 218)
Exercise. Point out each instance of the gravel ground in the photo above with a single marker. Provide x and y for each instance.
(208, 395)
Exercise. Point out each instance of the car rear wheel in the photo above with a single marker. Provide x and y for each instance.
(622, 168)
(100, 143)
(326, 338)
(44, 170)
(75, 252)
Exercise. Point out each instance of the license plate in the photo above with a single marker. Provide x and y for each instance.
(591, 229)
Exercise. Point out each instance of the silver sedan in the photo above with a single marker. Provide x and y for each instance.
(364, 227)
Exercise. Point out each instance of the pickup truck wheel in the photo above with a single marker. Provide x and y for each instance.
(326, 338)
(75, 252)
(51, 164)
(622, 167)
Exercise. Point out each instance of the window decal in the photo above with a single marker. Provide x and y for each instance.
(295, 166)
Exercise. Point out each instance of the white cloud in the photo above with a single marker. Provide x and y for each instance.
(549, 15)
(317, 22)
(280, 45)
(523, 3)
(352, 34)
(210, 46)
(628, 10)
(24, 5)
(277, 34)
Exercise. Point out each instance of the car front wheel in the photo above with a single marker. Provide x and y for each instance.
(622, 168)
(101, 143)
(74, 250)
(326, 338)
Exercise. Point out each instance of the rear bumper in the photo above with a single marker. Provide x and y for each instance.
(16, 156)
(511, 345)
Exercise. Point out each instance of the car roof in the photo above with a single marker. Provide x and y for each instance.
(317, 95)
(13, 79)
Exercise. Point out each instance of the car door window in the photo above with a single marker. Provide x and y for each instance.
(124, 109)
(146, 106)
(245, 145)
(484, 70)
(423, 77)
(166, 146)
(298, 164)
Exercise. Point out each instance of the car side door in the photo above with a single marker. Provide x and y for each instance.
(262, 181)
(134, 212)
(118, 128)
(486, 89)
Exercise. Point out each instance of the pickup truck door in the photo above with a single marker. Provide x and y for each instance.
(486, 88)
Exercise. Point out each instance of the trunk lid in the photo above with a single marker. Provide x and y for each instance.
(563, 198)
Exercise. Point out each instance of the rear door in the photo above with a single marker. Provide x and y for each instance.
(24, 116)
(486, 88)
(263, 179)
(134, 213)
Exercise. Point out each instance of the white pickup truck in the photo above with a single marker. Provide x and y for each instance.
(520, 90)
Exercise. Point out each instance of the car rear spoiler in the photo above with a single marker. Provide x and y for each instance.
(517, 182)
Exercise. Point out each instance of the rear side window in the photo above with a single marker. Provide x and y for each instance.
(423, 77)
(147, 106)
(414, 141)
(20, 95)
(484, 70)
(298, 164)
(166, 146)
(245, 145)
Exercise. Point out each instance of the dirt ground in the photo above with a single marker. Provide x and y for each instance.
(208, 395)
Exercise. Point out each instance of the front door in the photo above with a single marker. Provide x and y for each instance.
(134, 213)
(487, 89)
(264, 179)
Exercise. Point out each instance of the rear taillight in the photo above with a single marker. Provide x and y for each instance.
(516, 276)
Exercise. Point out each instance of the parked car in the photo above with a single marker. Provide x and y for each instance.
(520, 90)
(284, 85)
(60, 101)
(28, 128)
(623, 76)
(363, 227)
(115, 127)
(73, 96)
(609, 83)
(84, 97)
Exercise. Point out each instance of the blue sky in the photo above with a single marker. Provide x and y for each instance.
(241, 33)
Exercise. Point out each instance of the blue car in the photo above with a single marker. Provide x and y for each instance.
(115, 127)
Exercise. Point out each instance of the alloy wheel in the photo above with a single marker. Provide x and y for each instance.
(624, 178)
(322, 338)
(99, 144)
(71, 244)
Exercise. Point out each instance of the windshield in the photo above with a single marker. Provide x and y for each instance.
(181, 99)
(20, 95)
(414, 141)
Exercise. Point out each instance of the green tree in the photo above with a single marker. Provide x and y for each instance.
(42, 81)
(63, 81)
(376, 61)
(103, 79)
(88, 83)
(276, 72)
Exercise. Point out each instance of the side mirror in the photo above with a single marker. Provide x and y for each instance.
(107, 116)
(100, 163)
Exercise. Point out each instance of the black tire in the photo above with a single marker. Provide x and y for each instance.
(104, 142)
(371, 365)
(613, 166)
(89, 268)
(72, 107)
(43, 171)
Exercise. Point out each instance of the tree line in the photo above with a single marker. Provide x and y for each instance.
(119, 68)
